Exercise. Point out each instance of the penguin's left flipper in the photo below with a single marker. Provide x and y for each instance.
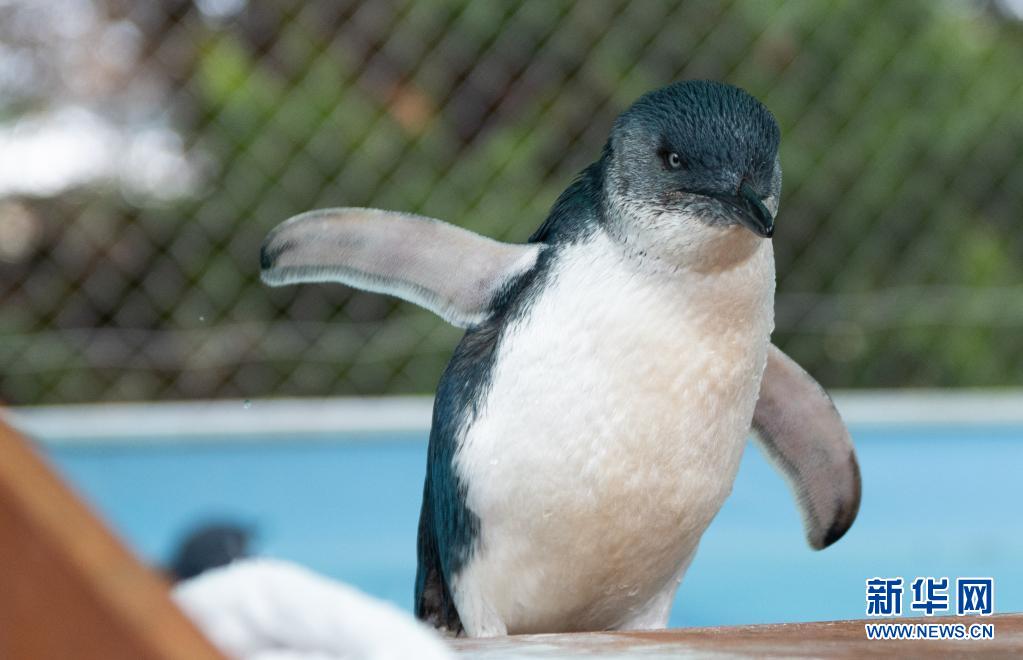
(800, 430)
(446, 269)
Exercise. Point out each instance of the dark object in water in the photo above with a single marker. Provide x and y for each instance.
(209, 546)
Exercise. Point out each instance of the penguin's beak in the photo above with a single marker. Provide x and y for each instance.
(752, 213)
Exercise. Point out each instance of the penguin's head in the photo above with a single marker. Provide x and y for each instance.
(693, 168)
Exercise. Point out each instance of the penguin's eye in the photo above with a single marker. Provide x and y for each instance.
(673, 161)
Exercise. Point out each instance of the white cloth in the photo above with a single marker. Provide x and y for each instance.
(268, 609)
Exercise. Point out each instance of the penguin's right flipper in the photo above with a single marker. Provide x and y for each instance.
(801, 431)
(446, 269)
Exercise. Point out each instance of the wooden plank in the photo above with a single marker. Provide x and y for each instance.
(68, 588)
(831, 639)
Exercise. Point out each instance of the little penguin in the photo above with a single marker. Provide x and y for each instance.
(591, 421)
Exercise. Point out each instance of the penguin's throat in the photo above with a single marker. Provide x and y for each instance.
(666, 238)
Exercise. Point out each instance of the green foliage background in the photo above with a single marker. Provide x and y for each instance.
(900, 259)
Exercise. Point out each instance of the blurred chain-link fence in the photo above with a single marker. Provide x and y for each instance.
(147, 147)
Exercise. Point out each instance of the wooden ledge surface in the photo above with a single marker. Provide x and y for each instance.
(830, 639)
(68, 587)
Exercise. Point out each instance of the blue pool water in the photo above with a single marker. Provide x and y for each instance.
(936, 502)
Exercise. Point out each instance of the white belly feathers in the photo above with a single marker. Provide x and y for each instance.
(611, 434)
